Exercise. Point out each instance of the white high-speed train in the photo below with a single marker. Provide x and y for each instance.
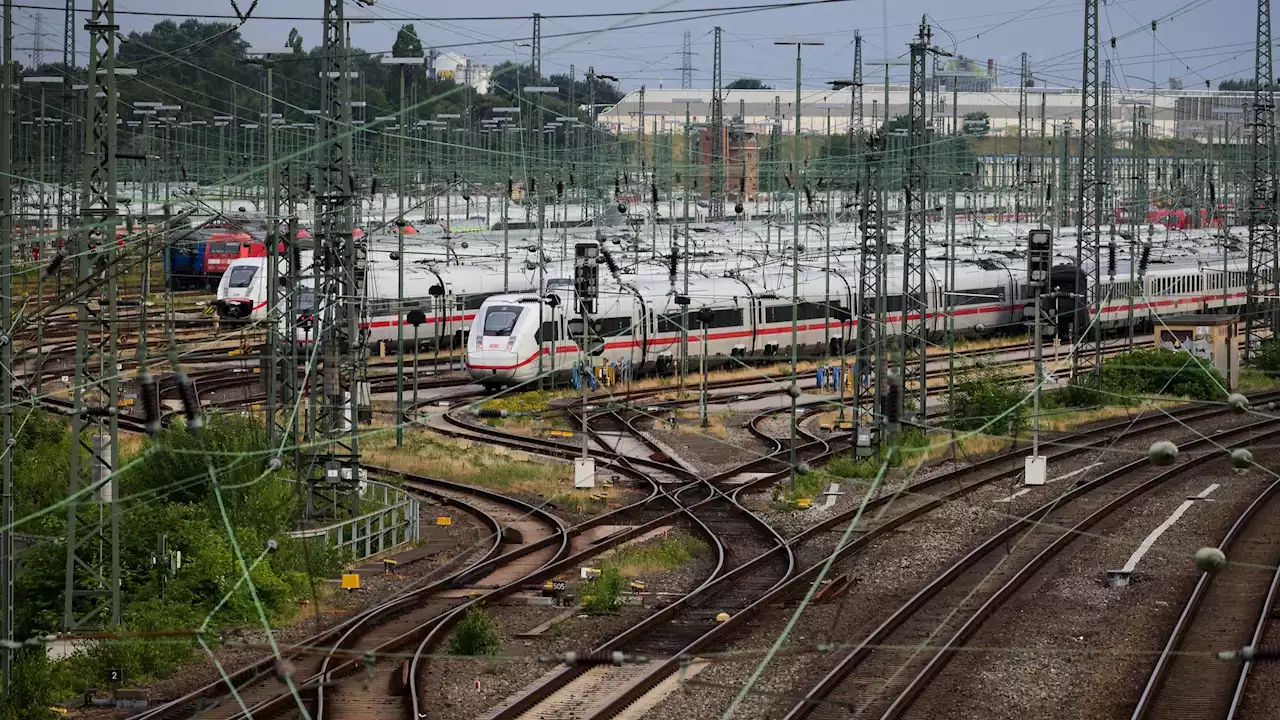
(447, 295)
(517, 336)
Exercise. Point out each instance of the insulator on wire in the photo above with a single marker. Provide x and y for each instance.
(626, 179)
(373, 187)
(455, 176)
(1213, 194)
(511, 186)
(742, 184)
(55, 262)
(571, 180)
(1111, 258)
(190, 402)
(150, 393)
(808, 196)
(1145, 259)
(559, 188)
(617, 186)
(674, 262)
(533, 184)
(788, 179)
(609, 261)
(1048, 194)
(653, 193)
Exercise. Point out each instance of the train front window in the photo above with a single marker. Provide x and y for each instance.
(242, 276)
(500, 320)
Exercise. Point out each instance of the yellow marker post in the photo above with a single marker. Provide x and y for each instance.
(350, 581)
(803, 503)
(444, 521)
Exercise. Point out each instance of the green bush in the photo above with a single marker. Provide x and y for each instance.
(981, 397)
(1158, 371)
(1267, 358)
(475, 634)
(604, 593)
(33, 691)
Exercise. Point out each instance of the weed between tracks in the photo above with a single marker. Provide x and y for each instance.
(425, 453)
(638, 561)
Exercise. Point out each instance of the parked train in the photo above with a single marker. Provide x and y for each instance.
(519, 335)
(448, 296)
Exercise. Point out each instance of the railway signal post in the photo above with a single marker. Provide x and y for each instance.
(1039, 263)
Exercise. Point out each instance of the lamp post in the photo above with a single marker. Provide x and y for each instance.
(826, 303)
(506, 113)
(705, 316)
(684, 310)
(403, 63)
(794, 390)
(534, 116)
(42, 82)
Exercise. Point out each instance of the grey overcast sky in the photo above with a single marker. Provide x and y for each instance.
(1196, 40)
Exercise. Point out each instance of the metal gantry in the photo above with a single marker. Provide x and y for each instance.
(716, 191)
(1261, 317)
(92, 581)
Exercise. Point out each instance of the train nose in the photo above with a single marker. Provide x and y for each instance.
(492, 365)
(232, 309)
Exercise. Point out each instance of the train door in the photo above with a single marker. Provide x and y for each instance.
(1069, 307)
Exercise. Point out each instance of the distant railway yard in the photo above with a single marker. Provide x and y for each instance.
(487, 373)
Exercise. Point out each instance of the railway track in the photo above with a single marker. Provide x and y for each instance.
(891, 666)
(260, 686)
(751, 560)
(1229, 609)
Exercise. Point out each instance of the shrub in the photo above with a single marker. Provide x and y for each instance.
(604, 593)
(475, 634)
(1267, 358)
(1158, 371)
(983, 396)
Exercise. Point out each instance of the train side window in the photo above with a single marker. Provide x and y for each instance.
(548, 333)
(609, 327)
(726, 318)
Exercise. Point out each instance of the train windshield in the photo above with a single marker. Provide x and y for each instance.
(242, 276)
(500, 321)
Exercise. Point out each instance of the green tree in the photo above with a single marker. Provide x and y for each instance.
(748, 84)
(407, 43)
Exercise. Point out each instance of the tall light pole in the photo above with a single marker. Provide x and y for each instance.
(43, 82)
(794, 390)
(826, 302)
(401, 129)
(506, 113)
(534, 117)
(684, 309)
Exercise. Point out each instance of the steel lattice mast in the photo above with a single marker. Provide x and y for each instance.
(1023, 174)
(92, 582)
(716, 198)
(686, 67)
(869, 354)
(1089, 187)
(8, 563)
(1263, 256)
(340, 269)
(914, 275)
